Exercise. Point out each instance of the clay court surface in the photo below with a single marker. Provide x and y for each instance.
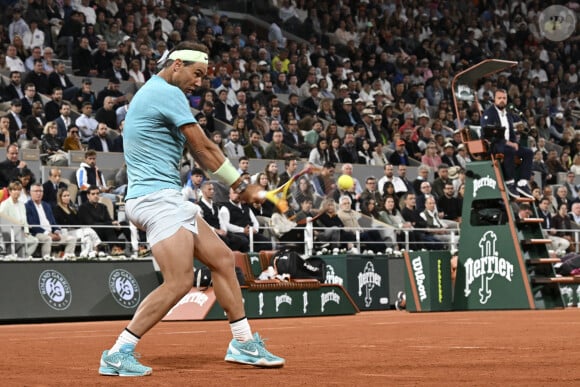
(369, 349)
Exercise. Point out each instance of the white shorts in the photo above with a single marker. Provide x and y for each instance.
(162, 213)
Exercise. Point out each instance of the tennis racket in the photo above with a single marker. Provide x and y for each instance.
(279, 196)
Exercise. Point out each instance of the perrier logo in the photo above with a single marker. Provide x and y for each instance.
(486, 267)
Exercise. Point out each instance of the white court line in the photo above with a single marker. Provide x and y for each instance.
(449, 322)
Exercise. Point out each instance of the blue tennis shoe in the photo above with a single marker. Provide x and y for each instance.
(253, 353)
(123, 363)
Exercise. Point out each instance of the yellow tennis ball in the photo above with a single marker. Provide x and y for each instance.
(345, 182)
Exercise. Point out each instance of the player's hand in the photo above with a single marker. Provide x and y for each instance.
(252, 194)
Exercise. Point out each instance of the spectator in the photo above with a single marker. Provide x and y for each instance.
(210, 211)
(38, 78)
(66, 214)
(43, 225)
(35, 124)
(333, 228)
(348, 152)
(558, 243)
(118, 141)
(371, 193)
(52, 107)
(63, 121)
(86, 123)
(85, 94)
(30, 96)
(100, 142)
(399, 157)
(324, 183)
(83, 63)
(52, 185)
(116, 70)
(17, 128)
(106, 114)
(10, 168)
(35, 54)
(95, 214)
(392, 216)
(450, 206)
(14, 90)
(411, 215)
(422, 195)
(237, 218)
(437, 227)
(277, 149)
(192, 189)
(4, 131)
(233, 148)
(389, 176)
(439, 182)
(111, 90)
(320, 155)
(14, 210)
(51, 146)
(89, 175)
(13, 61)
(73, 140)
(102, 59)
(449, 158)
(135, 73)
(59, 78)
(431, 158)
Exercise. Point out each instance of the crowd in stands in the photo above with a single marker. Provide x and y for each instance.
(367, 82)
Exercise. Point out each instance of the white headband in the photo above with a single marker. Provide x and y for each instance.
(186, 56)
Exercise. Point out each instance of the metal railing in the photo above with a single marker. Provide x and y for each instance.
(15, 245)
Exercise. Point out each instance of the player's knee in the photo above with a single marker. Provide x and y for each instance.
(224, 261)
(180, 285)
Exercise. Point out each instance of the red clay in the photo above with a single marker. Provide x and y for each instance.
(507, 348)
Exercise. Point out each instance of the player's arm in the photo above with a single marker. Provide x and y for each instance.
(211, 158)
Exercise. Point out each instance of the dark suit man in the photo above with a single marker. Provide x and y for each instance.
(59, 78)
(64, 120)
(37, 213)
(14, 90)
(35, 122)
(52, 185)
(223, 111)
(16, 120)
(497, 115)
(100, 142)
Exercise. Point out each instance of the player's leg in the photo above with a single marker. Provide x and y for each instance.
(176, 265)
(215, 254)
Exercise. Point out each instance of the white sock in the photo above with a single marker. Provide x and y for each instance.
(510, 181)
(241, 330)
(126, 337)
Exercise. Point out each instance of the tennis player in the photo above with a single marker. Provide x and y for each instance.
(158, 124)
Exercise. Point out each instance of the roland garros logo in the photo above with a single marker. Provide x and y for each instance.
(124, 288)
(486, 267)
(55, 289)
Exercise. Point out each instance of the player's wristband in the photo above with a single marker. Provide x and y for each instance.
(227, 173)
